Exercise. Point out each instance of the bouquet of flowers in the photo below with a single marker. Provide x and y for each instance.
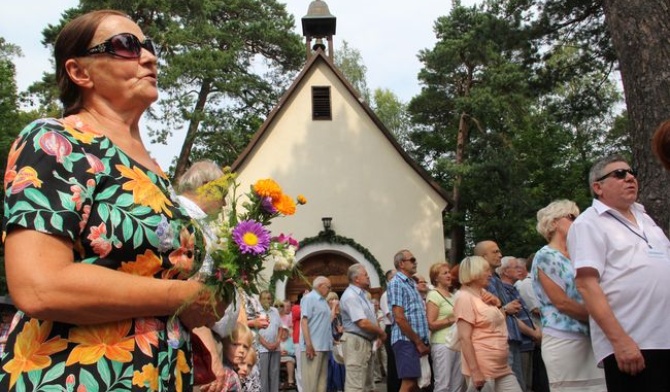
(241, 245)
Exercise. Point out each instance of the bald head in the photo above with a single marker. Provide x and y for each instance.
(490, 251)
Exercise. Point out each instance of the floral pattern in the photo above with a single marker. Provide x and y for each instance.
(560, 270)
(63, 179)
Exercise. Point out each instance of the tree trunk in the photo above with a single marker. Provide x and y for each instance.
(457, 249)
(184, 155)
(640, 32)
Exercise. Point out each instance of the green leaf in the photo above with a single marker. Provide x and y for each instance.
(107, 193)
(141, 210)
(38, 222)
(54, 372)
(127, 227)
(124, 200)
(67, 164)
(51, 388)
(117, 366)
(138, 238)
(34, 377)
(86, 378)
(103, 211)
(103, 372)
(37, 197)
(21, 206)
(66, 201)
(116, 217)
(56, 222)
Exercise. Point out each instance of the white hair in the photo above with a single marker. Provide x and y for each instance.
(505, 264)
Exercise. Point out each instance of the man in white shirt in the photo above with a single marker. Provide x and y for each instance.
(622, 261)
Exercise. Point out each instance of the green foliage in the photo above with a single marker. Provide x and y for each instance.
(10, 120)
(222, 67)
(537, 113)
(350, 63)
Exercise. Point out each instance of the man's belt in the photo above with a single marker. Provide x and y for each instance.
(360, 335)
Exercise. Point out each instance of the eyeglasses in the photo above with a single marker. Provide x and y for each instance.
(124, 45)
(618, 174)
(411, 259)
(570, 217)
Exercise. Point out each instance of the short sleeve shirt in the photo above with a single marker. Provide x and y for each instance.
(402, 292)
(445, 308)
(489, 334)
(355, 306)
(634, 267)
(559, 269)
(315, 308)
(65, 179)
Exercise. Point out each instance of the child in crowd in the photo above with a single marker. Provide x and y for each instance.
(249, 384)
(235, 350)
(287, 350)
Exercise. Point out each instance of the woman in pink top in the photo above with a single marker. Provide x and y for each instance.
(482, 331)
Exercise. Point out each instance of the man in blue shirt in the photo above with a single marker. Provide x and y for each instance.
(360, 330)
(316, 340)
(409, 334)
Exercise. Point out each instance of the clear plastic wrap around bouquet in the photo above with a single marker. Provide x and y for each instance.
(239, 242)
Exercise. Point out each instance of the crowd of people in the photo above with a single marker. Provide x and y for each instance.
(97, 280)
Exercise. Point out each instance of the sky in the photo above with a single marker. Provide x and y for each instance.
(388, 35)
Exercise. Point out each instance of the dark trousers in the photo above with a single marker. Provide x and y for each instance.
(392, 382)
(655, 376)
(540, 380)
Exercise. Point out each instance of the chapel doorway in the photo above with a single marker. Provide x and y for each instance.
(333, 266)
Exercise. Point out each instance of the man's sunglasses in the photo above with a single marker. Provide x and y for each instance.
(125, 45)
(618, 174)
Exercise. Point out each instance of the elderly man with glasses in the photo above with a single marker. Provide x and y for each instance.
(409, 334)
(622, 262)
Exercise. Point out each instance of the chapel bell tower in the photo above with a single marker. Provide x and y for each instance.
(318, 24)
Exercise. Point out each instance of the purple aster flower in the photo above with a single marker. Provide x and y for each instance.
(266, 203)
(251, 237)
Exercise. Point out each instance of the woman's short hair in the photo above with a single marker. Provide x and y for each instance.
(434, 271)
(472, 268)
(199, 174)
(547, 216)
(331, 296)
(72, 41)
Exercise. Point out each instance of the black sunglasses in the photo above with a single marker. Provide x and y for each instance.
(619, 174)
(125, 45)
(570, 217)
(411, 259)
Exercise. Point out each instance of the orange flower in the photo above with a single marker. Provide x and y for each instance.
(110, 340)
(268, 188)
(182, 258)
(302, 199)
(182, 367)
(285, 205)
(14, 152)
(32, 351)
(149, 375)
(146, 334)
(26, 177)
(145, 192)
(85, 137)
(147, 264)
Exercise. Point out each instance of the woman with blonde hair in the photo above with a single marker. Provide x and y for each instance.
(440, 315)
(482, 331)
(566, 346)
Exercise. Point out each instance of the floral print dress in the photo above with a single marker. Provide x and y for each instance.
(65, 179)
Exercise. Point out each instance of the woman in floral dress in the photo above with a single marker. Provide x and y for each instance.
(97, 254)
